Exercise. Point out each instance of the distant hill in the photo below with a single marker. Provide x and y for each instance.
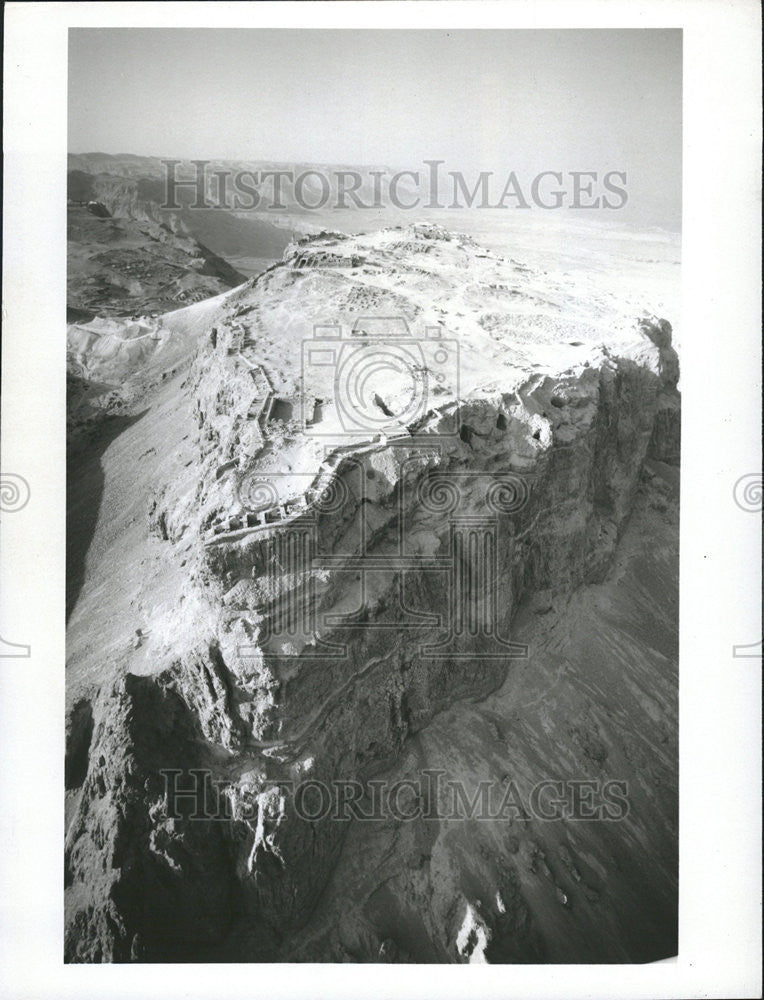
(132, 187)
(130, 265)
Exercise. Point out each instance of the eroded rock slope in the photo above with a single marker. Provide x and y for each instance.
(392, 477)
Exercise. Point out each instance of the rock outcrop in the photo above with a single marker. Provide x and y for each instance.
(356, 553)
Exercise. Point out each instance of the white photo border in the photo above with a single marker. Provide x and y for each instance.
(720, 692)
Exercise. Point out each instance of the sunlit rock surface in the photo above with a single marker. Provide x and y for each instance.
(398, 504)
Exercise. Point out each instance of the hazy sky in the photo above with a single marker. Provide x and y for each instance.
(480, 100)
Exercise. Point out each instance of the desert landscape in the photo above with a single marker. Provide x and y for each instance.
(373, 442)
(200, 643)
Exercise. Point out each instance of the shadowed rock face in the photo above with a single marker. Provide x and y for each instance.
(341, 597)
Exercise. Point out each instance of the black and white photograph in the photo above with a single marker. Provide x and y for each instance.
(372, 496)
(373, 609)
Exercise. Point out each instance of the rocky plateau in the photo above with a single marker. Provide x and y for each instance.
(398, 504)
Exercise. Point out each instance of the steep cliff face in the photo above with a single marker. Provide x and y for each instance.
(547, 827)
(345, 584)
